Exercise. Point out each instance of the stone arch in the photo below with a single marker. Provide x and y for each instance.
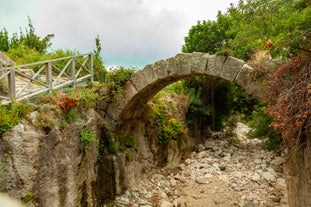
(145, 83)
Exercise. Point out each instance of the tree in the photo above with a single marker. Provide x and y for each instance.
(4, 40)
(208, 92)
(99, 69)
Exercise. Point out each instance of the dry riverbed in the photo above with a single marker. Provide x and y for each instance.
(221, 174)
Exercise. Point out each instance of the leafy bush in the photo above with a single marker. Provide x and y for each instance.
(10, 115)
(262, 129)
(130, 141)
(112, 148)
(166, 127)
(117, 78)
(129, 156)
(171, 129)
(87, 136)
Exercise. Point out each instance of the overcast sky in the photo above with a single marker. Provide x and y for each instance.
(132, 32)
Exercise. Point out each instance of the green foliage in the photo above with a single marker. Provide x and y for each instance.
(87, 136)
(172, 130)
(166, 127)
(262, 129)
(10, 115)
(28, 40)
(129, 156)
(112, 148)
(99, 69)
(71, 116)
(28, 197)
(273, 25)
(209, 36)
(117, 78)
(130, 141)
(212, 101)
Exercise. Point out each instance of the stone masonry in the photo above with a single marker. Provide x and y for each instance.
(154, 77)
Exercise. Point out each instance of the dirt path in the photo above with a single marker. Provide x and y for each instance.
(221, 174)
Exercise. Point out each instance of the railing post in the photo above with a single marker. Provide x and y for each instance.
(49, 77)
(11, 84)
(91, 67)
(73, 72)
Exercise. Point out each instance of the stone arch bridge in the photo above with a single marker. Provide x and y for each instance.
(146, 83)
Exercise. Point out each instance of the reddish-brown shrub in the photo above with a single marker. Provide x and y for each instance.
(289, 98)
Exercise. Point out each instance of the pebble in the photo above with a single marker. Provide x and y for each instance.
(233, 175)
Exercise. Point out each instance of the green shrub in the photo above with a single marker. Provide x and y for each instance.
(28, 197)
(72, 115)
(172, 129)
(130, 141)
(10, 115)
(87, 136)
(262, 129)
(112, 148)
(129, 156)
(166, 127)
(115, 79)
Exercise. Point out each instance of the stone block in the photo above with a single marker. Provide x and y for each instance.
(149, 74)
(116, 108)
(231, 68)
(159, 69)
(199, 63)
(215, 64)
(179, 65)
(129, 91)
(244, 77)
(139, 81)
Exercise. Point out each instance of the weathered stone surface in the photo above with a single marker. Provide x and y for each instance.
(114, 110)
(244, 77)
(150, 75)
(231, 68)
(139, 81)
(179, 65)
(146, 83)
(129, 91)
(48, 164)
(298, 174)
(215, 64)
(199, 63)
(159, 69)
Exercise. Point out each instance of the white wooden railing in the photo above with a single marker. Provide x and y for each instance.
(22, 82)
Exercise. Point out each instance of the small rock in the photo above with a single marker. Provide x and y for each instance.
(165, 203)
(255, 177)
(278, 161)
(203, 180)
(268, 176)
(249, 205)
(280, 184)
(201, 148)
(222, 167)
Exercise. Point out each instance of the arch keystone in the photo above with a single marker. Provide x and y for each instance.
(199, 63)
(179, 65)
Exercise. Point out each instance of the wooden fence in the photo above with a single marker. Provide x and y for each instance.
(25, 81)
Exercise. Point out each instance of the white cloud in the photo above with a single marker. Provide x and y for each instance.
(141, 30)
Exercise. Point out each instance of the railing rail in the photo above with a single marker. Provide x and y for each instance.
(25, 81)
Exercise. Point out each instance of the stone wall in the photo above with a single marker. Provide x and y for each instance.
(49, 166)
(298, 174)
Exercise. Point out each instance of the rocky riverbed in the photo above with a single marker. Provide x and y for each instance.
(225, 171)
